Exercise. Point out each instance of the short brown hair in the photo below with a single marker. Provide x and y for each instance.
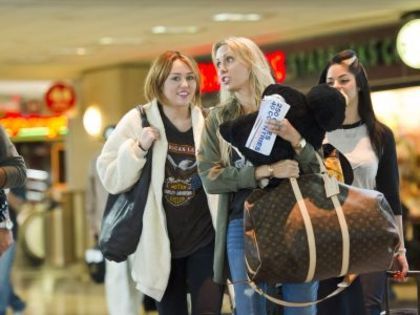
(160, 70)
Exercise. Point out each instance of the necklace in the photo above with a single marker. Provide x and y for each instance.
(354, 125)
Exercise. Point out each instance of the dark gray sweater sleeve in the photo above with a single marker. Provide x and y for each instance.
(12, 170)
(12, 165)
(387, 178)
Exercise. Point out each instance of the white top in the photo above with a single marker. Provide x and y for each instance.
(355, 144)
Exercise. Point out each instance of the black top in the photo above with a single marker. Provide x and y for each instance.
(187, 213)
(236, 208)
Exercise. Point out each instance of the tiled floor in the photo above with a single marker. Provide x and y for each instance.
(59, 291)
(62, 291)
(69, 291)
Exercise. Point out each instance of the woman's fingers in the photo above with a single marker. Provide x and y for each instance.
(148, 136)
(284, 129)
(274, 125)
(286, 168)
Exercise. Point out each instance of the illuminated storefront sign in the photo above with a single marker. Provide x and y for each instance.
(372, 52)
(210, 82)
(277, 60)
(31, 127)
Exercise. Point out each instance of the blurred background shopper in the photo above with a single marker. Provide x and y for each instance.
(120, 290)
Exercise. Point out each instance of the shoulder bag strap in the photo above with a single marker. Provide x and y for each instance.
(340, 287)
(143, 116)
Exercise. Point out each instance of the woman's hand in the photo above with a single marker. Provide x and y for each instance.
(285, 169)
(280, 169)
(148, 136)
(6, 239)
(400, 262)
(284, 129)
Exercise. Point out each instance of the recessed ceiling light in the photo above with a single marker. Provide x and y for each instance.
(106, 40)
(236, 17)
(120, 40)
(160, 29)
(81, 51)
(69, 51)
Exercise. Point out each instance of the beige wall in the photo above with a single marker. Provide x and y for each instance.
(115, 90)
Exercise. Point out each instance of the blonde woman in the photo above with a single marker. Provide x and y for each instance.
(244, 74)
(175, 252)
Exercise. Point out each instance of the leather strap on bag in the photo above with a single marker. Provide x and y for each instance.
(332, 190)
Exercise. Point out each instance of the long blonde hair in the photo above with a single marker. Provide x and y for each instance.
(260, 77)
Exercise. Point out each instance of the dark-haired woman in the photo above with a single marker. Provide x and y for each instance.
(369, 145)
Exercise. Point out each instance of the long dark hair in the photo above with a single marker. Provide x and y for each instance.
(375, 128)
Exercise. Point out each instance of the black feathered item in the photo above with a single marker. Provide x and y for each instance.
(321, 110)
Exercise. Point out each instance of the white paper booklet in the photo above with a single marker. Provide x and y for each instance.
(260, 139)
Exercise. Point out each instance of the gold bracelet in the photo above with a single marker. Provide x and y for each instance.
(270, 171)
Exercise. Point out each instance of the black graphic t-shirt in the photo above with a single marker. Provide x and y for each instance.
(185, 202)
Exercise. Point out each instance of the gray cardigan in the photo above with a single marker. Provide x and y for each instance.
(12, 167)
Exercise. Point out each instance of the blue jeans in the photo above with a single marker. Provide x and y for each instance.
(248, 302)
(300, 292)
(7, 295)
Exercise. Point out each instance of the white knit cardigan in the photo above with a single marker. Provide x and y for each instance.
(119, 166)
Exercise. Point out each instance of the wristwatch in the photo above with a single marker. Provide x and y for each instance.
(6, 224)
(301, 144)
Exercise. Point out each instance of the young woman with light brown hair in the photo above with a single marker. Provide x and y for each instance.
(175, 252)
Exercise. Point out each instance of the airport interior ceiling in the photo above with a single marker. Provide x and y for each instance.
(48, 39)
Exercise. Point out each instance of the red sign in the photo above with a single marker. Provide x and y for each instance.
(60, 97)
(210, 82)
(277, 61)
